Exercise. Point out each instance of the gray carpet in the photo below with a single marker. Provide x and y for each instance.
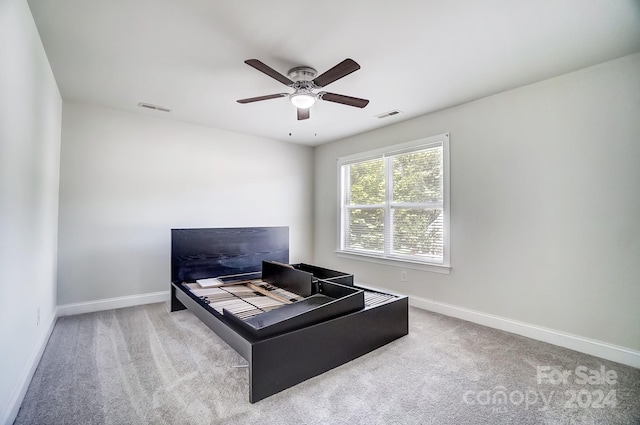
(144, 365)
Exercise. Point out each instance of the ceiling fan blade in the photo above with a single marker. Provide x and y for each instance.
(345, 100)
(267, 97)
(342, 69)
(303, 114)
(269, 71)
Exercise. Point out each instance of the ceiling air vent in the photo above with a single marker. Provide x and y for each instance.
(388, 114)
(154, 107)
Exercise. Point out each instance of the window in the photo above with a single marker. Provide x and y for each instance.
(394, 203)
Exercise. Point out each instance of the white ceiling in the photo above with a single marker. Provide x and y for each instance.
(416, 56)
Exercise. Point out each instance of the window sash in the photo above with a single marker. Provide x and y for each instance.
(438, 229)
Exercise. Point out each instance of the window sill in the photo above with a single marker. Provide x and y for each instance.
(406, 264)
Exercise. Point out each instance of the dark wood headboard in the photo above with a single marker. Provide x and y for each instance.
(212, 252)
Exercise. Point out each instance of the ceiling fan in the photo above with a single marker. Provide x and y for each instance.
(303, 81)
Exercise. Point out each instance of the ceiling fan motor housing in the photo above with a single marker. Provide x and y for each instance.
(302, 73)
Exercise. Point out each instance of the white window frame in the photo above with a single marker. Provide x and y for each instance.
(386, 257)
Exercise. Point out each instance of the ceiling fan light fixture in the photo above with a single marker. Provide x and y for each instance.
(302, 100)
(303, 81)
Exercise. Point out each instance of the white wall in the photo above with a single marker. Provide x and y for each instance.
(30, 120)
(545, 204)
(127, 179)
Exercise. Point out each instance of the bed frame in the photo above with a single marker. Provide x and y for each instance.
(293, 343)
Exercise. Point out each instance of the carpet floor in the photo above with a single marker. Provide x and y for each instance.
(145, 365)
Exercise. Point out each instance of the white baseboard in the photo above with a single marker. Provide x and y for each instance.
(112, 303)
(592, 347)
(13, 406)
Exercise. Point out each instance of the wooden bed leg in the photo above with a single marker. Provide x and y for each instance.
(176, 305)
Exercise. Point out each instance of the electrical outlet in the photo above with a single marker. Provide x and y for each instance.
(38, 317)
(403, 276)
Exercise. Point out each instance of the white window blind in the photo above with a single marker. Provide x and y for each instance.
(394, 202)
